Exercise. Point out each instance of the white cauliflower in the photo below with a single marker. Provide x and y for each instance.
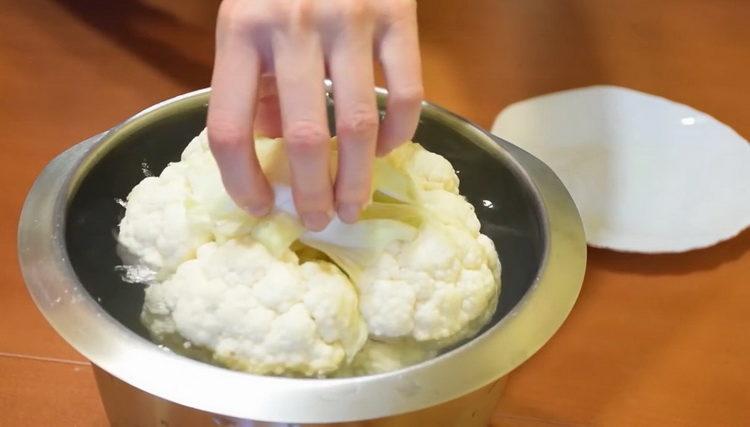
(259, 295)
(430, 171)
(159, 229)
(430, 288)
(259, 313)
(168, 217)
(441, 283)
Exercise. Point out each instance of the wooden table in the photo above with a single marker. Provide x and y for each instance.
(653, 340)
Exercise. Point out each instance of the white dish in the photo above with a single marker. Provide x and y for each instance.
(647, 174)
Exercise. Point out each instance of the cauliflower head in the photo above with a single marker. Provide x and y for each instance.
(263, 295)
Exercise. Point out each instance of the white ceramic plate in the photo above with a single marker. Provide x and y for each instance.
(648, 174)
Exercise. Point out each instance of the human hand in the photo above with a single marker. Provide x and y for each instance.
(271, 59)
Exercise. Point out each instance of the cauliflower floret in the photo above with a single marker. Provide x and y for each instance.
(169, 216)
(430, 171)
(258, 313)
(437, 285)
(159, 230)
(451, 209)
(432, 288)
(442, 286)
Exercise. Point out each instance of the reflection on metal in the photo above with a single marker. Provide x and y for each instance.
(127, 405)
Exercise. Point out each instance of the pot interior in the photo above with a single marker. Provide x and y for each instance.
(505, 202)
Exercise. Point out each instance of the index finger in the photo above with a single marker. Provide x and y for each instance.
(231, 110)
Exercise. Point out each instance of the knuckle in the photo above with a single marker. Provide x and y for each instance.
(354, 9)
(222, 134)
(306, 8)
(305, 135)
(410, 96)
(295, 14)
(359, 122)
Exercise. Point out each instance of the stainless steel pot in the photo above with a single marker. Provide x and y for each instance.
(68, 258)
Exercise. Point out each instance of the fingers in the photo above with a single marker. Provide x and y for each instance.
(298, 61)
(351, 69)
(399, 55)
(287, 41)
(230, 112)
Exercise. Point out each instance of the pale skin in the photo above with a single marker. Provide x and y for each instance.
(271, 59)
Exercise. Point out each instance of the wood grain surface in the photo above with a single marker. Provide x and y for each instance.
(653, 340)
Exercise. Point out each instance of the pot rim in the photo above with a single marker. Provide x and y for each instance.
(84, 324)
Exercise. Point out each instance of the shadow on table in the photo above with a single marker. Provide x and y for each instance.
(178, 49)
(675, 264)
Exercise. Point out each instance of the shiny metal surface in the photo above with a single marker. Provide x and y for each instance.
(128, 406)
(119, 351)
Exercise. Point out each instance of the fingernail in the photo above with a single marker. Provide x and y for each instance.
(259, 210)
(349, 212)
(316, 221)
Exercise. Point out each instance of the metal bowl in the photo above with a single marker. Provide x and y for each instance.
(67, 250)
